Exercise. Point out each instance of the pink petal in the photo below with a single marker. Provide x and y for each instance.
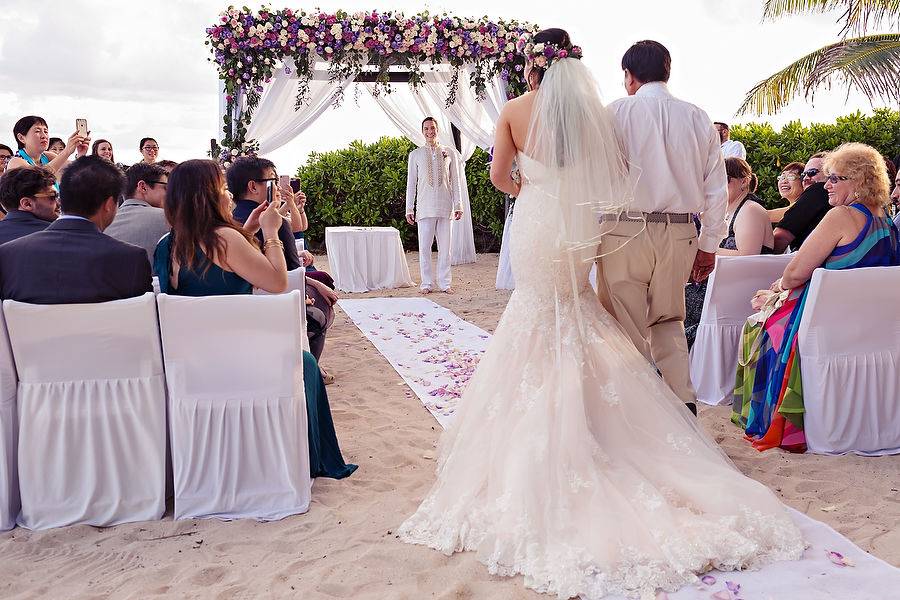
(723, 595)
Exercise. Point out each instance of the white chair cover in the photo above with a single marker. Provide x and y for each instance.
(726, 307)
(296, 281)
(9, 434)
(849, 345)
(92, 412)
(237, 409)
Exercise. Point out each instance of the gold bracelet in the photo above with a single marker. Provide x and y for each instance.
(273, 243)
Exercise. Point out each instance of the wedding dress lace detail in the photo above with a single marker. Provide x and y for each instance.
(571, 463)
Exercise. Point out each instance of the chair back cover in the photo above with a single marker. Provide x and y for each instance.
(9, 434)
(726, 306)
(296, 281)
(92, 412)
(849, 345)
(237, 409)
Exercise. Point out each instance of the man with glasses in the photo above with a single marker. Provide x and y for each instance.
(895, 196)
(30, 200)
(6, 155)
(141, 220)
(809, 209)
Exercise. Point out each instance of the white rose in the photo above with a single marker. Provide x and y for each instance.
(538, 47)
(328, 50)
(337, 29)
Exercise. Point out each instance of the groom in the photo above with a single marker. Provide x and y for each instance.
(432, 197)
(674, 153)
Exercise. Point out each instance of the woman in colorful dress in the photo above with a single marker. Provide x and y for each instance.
(768, 398)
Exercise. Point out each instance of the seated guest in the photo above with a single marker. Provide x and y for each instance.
(6, 155)
(72, 261)
(295, 212)
(248, 178)
(33, 139)
(768, 401)
(56, 145)
(30, 200)
(790, 186)
(168, 165)
(749, 232)
(800, 219)
(895, 195)
(141, 220)
(103, 149)
(149, 150)
(209, 253)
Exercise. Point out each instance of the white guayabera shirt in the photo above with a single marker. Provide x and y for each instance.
(674, 152)
(733, 148)
(434, 194)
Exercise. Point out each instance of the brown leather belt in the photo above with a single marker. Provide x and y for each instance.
(651, 217)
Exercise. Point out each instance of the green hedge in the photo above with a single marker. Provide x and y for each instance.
(365, 184)
(769, 150)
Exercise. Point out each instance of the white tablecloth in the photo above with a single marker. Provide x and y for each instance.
(362, 259)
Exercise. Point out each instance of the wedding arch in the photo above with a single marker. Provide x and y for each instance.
(281, 69)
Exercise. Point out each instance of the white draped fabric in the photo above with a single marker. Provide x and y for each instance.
(505, 279)
(406, 108)
(237, 409)
(275, 122)
(849, 360)
(726, 307)
(363, 259)
(92, 412)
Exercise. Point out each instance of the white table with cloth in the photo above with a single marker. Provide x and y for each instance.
(362, 259)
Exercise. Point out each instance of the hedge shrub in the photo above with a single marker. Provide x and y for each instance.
(365, 184)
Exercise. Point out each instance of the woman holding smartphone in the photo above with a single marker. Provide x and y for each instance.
(33, 138)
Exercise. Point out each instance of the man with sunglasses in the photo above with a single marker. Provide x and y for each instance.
(809, 209)
(30, 200)
(141, 220)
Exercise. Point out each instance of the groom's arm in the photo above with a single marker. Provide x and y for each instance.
(713, 228)
(412, 177)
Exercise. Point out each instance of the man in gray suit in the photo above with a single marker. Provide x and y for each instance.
(141, 220)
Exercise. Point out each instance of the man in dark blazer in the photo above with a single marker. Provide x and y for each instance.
(73, 261)
(30, 200)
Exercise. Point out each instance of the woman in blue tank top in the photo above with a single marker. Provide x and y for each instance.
(33, 137)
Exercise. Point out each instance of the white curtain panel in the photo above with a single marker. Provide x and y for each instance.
(849, 345)
(406, 108)
(9, 434)
(726, 306)
(275, 122)
(92, 412)
(237, 408)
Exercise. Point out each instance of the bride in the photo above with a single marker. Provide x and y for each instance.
(570, 461)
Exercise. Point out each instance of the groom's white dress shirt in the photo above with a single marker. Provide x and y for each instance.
(674, 150)
(734, 148)
(439, 200)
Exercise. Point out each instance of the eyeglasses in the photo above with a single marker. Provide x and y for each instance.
(6, 157)
(49, 196)
(150, 148)
(268, 179)
(788, 178)
(159, 182)
(810, 173)
(833, 179)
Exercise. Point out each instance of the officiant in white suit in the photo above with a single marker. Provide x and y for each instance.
(432, 199)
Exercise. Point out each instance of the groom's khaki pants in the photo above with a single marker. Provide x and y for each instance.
(641, 282)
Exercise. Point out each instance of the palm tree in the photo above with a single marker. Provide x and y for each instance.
(867, 63)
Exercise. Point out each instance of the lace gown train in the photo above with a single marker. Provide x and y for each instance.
(570, 461)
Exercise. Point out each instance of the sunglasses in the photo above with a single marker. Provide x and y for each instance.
(51, 196)
(833, 179)
(811, 173)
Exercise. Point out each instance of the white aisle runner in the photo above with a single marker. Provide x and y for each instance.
(436, 352)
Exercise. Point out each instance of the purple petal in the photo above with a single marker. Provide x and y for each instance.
(708, 580)
(734, 588)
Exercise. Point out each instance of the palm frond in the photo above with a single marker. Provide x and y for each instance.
(870, 64)
(858, 15)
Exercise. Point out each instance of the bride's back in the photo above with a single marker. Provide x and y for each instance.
(519, 113)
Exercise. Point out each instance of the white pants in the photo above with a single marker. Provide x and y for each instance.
(428, 229)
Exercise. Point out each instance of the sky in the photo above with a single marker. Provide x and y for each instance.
(136, 69)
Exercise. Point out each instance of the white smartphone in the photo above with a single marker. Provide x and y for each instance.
(284, 182)
(81, 127)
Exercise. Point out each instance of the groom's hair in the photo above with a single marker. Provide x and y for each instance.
(648, 61)
(426, 119)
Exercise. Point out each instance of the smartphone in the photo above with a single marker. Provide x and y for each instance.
(212, 148)
(270, 192)
(81, 127)
(284, 182)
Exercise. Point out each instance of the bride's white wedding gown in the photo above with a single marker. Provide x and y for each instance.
(572, 463)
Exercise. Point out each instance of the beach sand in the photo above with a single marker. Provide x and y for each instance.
(345, 546)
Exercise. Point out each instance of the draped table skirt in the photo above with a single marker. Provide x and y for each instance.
(363, 259)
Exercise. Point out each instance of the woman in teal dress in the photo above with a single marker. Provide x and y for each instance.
(197, 206)
(856, 233)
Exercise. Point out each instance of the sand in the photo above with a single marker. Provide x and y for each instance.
(345, 546)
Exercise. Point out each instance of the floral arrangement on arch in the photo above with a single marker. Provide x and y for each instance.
(248, 47)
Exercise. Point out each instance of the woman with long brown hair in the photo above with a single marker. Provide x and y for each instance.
(208, 253)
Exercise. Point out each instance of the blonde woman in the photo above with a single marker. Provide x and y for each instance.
(856, 233)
